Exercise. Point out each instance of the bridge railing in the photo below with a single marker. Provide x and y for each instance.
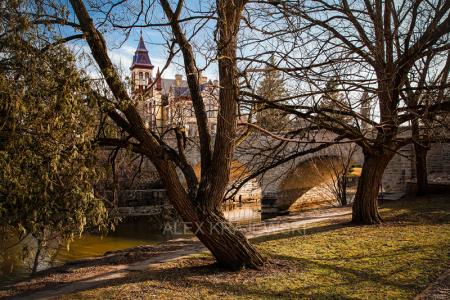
(128, 198)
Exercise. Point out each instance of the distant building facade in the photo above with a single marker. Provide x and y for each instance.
(164, 103)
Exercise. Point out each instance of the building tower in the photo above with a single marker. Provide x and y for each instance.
(141, 82)
(141, 68)
(163, 102)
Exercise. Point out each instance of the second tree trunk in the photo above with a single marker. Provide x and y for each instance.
(365, 206)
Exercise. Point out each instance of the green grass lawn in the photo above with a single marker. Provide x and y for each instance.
(396, 260)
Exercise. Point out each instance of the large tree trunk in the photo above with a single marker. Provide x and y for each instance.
(228, 245)
(365, 206)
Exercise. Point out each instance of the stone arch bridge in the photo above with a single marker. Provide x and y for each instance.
(293, 184)
(300, 182)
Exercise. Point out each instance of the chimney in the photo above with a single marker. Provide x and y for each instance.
(178, 79)
(158, 81)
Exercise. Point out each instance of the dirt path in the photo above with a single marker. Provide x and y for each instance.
(95, 272)
(438, 290)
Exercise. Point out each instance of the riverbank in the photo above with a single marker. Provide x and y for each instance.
(318, 256)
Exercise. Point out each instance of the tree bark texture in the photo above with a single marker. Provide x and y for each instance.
(228, 245)
(365, 205)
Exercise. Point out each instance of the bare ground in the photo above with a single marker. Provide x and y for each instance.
(438, 290)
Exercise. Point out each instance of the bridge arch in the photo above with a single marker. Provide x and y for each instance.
(249, 191)
(305, 185)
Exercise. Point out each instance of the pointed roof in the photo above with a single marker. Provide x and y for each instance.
(141, 58)
(141, 45)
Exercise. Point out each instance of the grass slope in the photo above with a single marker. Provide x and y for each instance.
(395, 260)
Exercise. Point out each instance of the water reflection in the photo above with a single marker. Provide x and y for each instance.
(243, 212)
(131, 232)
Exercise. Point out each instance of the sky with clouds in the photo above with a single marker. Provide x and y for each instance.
(122, 46)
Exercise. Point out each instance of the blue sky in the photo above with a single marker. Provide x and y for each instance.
(122, 48)
(123, 56)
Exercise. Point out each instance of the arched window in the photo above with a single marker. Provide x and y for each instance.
(146, 75)
(141, 76)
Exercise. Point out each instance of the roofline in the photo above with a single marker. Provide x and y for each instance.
(142, 66)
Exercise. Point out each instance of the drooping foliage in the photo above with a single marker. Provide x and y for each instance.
(46, 125)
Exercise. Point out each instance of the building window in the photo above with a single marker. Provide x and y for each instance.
(167, 112)
(146, 75)
(149, 108)
(191, 130)
(141, 76)
(211, 111)
(188, 112)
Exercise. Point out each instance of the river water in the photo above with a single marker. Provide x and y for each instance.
(131, 232)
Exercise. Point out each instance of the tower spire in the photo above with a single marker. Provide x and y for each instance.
(141, 58)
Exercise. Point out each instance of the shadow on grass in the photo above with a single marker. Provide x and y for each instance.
(307, 230)
(201, 273)
(425, 210)
(217, 280)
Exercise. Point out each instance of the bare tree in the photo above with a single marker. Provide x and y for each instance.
(199, 203)
(424, 127)
(370, 47)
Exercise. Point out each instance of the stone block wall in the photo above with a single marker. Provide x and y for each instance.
(438, 163)
(401, 169)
